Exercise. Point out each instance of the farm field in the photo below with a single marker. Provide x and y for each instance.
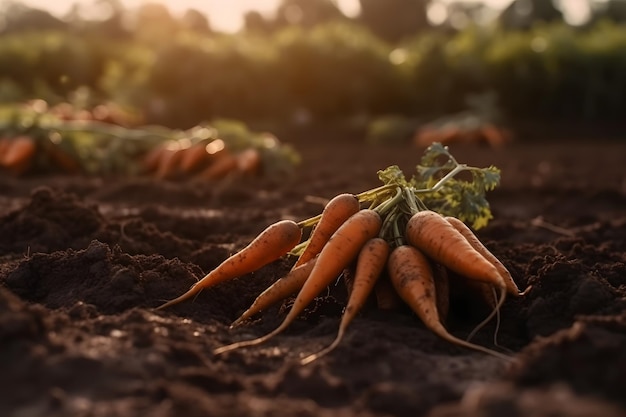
(84, 261)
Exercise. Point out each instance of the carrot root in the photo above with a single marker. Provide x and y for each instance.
(341, 248)
(336, 212)
(432, 234)
(411, 274)
(272, 243)
(252, 342)
(370, 263)
(494, 312)
(480, 248)
(279, 290)
(315, 356)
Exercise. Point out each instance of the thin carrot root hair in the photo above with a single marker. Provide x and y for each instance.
(252, 342)
(315, 356)
(370, 263)
(411, 274)
(495, 311)
(441, 331)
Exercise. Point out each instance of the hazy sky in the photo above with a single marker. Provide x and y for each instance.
(224, 15)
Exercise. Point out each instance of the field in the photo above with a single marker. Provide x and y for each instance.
(84, 260)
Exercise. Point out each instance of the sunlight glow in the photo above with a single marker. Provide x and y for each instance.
(216, 146)
(437, 13)
(224, 15)
(227, 15)
(577, 12)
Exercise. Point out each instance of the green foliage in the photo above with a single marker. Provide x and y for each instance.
(338, 69)
(51, 63)
(437, 186)
(390, 130)
(331, 70)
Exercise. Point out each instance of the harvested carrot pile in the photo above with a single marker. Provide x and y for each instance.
(406, 234)
(35, 139)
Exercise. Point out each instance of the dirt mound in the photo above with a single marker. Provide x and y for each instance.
(83, 261)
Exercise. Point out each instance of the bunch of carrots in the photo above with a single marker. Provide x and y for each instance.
(386, 236)
(23, 153)
(202, 159)
(36, 139)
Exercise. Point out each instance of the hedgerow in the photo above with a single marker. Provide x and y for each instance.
(333, 71)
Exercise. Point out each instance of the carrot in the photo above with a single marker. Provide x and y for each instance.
(249, 161)
(431, 233)
(272, 243)
(224, 163)
(425, 136)
(4, 145)
(193, 158)
(62, 159)
(442, 287)
(166, 167)
(343, 246)
(150, 161)
(279, 290)
(335, 213)
(492, 135)
(386, 297)
(480, 248)
(370, 263)
(19, 155)
(441, 241)
(412, 277)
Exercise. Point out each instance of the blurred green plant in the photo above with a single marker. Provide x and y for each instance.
(334, 70)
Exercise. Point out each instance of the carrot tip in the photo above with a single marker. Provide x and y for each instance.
(323, 352)
(525, 292)
(236, 323)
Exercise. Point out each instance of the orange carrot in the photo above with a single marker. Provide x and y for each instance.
(169, 163)
(343, 246)
(62, 160)
(412, 277)
(386, 296)
(278, 291)
(432, 234)
(4, 145)
(150, 161)
(480, 248)
(223, 163)
(335, 213)
(272, 243)
(370, 263)
(249, 161)
(492, 135)
(193, 158)
(19, 155)
(442, 287)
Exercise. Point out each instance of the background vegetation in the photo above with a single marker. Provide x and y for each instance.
(310, 62)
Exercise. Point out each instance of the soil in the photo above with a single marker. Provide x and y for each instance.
(84, 261)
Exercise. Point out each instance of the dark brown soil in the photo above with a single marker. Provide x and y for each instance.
(83, 261)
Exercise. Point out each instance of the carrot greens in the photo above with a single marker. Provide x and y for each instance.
(437, 185)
